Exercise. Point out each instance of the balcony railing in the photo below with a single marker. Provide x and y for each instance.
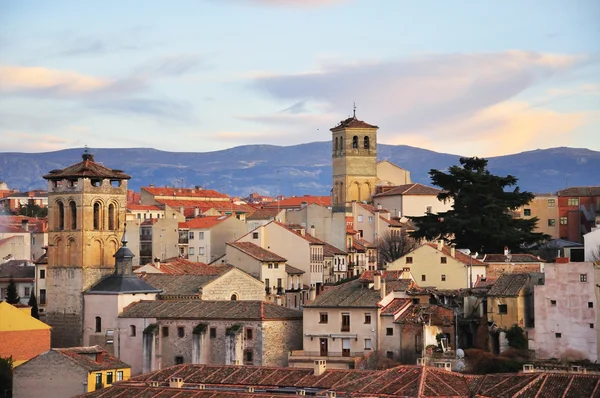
(345, 328)
(280, 290)
(267, 290)
(183, 241)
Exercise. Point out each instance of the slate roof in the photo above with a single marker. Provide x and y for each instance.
(17, 269)
(350, 294)
(256, 251)
(179, 285)
(209, 309)
(353, 123)
(513, 258)
(92, 358)
(509, 284)
(293, 270)
(580, 191)
(410, 189)
(86, 168)
(118, 283)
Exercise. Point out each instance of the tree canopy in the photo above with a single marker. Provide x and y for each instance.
(12, 295)
(480, 218)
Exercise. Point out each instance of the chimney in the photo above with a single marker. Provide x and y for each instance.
(176, 382)
(196, 212)
(181, 209)
(312, 230)
(562, 260)
(312, 293)
(383, 288)
(376, 280)
(157, 263)
(453, 251)
(379, 206)
(25, 224)
(320, 366)
(440, 244)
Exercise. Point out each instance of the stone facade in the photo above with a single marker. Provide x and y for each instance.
(234, 282)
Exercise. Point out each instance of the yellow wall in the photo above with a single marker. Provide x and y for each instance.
(515, 308)
(92, 377)
(13, 319)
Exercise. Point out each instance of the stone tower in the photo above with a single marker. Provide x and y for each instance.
(354, 153)
(86, 215)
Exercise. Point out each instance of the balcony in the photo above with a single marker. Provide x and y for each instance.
(267, 290)
(280, 290)
(345, 328)
(183, 240)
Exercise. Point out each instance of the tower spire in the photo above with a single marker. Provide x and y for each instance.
(354, 110)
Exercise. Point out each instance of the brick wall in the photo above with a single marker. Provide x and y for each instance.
(495, 270)
(24, 344)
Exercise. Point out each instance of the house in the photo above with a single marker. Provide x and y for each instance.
(39, 282)
(335, 267)
(545, 208)
(29, 237)
(23, 273)
(498, 264)
(388, 174)
(208, 235)
(166, 333)
(315, 217)
(263, 216)
(22, 337)
(410, 200)
(155, 238)
(441, 266)
(13, 202)
(66, 372)
(577, 211)
(566, 312)
(592, 243)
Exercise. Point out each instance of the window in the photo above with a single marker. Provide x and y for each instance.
(416, 300)
(234, 297)
(323, 318)
(345, 322)
(99, 381)
(213, 333)
(591, 325)
(370, 219)
(368, 344)
(360, 218)
(551, 222)
(201, 235)
(98, 324)
(132, 330)
(573, 202)
(165, 331)
(248, 357)
(563, 221)
(110, 336)
(27, 291)
(178, 360)
(109, 378)
(409, 260)
(180, 332)
(553, 302)
(42, 296)
(590, 304)
(254, 235)
(582, 277)
(201, 251)
(429, 210)
(96, 216)
(276, 266)
(112, 217)
(42, 274)
(355, 142)
(61, 216)
(389, 331)
(443, 260)
(366, 143)
(443, 278)
(527, 212)
(191, 235)
(367, 318)
(119, 375)
(502, 309)
(423, 278)
(360, 233)
(551, 203)
(191, 251)
(558, 335)
(249, 334)
(270, 266)
(389, 354)
(73, 211)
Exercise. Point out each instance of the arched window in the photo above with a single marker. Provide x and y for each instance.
(336, 144)
(96, 216)
(98, 324)
(355, 142)
(112, 217)
(366, 144)
(61, 216)
(73, 214)
(234, 297)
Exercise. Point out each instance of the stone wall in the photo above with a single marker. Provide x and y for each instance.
(495, 270)
(279, 338)
(234, 282)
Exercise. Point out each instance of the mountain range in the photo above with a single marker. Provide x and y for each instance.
(293, 170)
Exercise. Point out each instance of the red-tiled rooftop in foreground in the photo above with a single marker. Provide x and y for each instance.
(205, 222)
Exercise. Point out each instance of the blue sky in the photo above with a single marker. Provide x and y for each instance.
(476, 78)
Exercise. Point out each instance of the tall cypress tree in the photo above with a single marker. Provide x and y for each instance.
(35, 312)
(480, 218)
(12, 295)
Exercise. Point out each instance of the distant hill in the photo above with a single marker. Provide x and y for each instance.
(293, 170)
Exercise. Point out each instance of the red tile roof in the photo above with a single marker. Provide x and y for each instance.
(396, 305)
(353, 123)
(15, 224)
(205, 222)
(189, 206)
(435, 314)
(410, 189)
(484, 282)
(256, 251)
(580, 191)
(92, 358)
(87, 168)
(181, 266)
(296, 202)
(294, 228)
(138, 207)
(185, 192)
(263, 214)
(385, 275)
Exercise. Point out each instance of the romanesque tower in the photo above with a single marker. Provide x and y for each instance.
(354, 153)
(86, 215)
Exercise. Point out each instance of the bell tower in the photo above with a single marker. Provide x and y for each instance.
(354, 158)
(86, 215)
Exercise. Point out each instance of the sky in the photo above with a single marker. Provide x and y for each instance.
(474, 78)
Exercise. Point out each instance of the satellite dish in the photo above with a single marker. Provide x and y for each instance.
(460, 365)
(460, 354)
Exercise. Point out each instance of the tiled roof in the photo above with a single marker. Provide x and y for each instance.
(484, 282)
(17, 269)
(263, 214)
(178, 285)
(92, 358)
(138, 207)
(256, 251)
(458, 255)
(509, 285)
(87, 168)
(190, 206)
(329, 250)
(209, 309)
(186, 192)
(436, 314)
(395, 223)
(387, 275)
(409, 189)
(361, 244)
(353, 123)
(395, 305)
(513, 258)
(293, 270)
(205, 222)
(181, 266)
(296, 202)
(580, 191)
(350, 294)
(400, 285)
(118, 284)
(293, 228)
(15, 224)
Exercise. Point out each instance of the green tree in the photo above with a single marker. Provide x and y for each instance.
(35, 312)
(12, 296)
(516, 337)
(480, 217)
(33, 210)
(6, 372)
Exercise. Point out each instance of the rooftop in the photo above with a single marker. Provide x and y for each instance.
(181, 266)
(298, 201)
(181, 285)
(91, 358)
(87, 168)
(17, 269)
(185, 192)
(511, 258)
(410, 189)
(256, 251)
(263, 214)
(349, 294)
(122, 284)
(580, 191)
(205, 222)
(509, 284)
(353, 123)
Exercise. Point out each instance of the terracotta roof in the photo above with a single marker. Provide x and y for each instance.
(513, 258)
(256, 251)
(263, 214)
(509, 285)
(17, 269)
(580, 191)
(86, 168)
(209, 309)
(386, 275)
(458, 255)
(137, 207)
(179, 285)
(350, 294)
(186, 192)
(399, 285)
(92, 358)
(294, 228)
(410, 189)
(330, 250)
(293, 270)
(189, 206)
(484, 282)
(296, 202)
(14, 224)
(361, 244)
(353, 123)
(395, 223)
(436, 314)
(395, 305)
(181, 266)
(205, 222)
